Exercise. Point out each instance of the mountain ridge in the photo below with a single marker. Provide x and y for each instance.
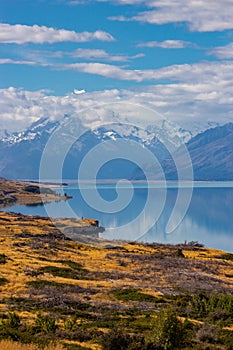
(211, 150)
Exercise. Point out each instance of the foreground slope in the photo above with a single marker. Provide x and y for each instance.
(76, 294)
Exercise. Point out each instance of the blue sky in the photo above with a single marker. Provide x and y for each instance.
(175, 54)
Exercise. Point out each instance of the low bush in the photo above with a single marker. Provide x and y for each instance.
(45, 323)
(133, 294)
(215, 306)
(40, 283)
(118, 339)
(13, 320)
(3, 281)
(64, 272)
(3, 258)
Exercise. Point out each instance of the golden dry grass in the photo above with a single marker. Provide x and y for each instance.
(137, 265)
(153, 269)
(9, 345)
(85, 345)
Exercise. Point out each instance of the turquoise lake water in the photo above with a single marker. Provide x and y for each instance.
(208, 220)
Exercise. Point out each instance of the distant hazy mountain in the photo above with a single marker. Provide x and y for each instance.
(211, 151)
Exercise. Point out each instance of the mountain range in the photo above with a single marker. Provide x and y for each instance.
(211, 150)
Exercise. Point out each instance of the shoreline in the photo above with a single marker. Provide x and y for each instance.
(26, 193)
(13, 192)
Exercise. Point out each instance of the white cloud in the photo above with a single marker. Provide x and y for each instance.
(167, 44)
(213, 72)
(97, 54)
(22, 62)
(200, 15)
(191, 95)
(80, 53)
(121, 2)
(223, 52)
(206, 71)
(20, 34)
(109, 71)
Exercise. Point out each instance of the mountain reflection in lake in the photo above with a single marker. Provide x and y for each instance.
(208, 220)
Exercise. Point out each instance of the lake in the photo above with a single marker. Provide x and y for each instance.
(208, 220)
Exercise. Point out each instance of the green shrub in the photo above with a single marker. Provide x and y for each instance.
(216, 306)
(118, 339)
(3, 281)
(167, 332)
(64, 272)
(199, 305)
(40, 283)
(133, 294)
(71, 323)
(13, 320)
(45, 323)
(3, 258)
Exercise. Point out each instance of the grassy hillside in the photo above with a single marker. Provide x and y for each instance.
(92, 297)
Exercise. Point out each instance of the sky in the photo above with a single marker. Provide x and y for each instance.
(59, 56)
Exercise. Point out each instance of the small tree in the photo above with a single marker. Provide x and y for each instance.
(167, 332)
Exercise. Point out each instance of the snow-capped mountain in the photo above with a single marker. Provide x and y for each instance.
(42, 127)
(165, 131)
(20, 152)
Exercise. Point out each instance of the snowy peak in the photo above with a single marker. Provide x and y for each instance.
(171, 133)
(165, 132)
(20, 152)
(36, 130)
